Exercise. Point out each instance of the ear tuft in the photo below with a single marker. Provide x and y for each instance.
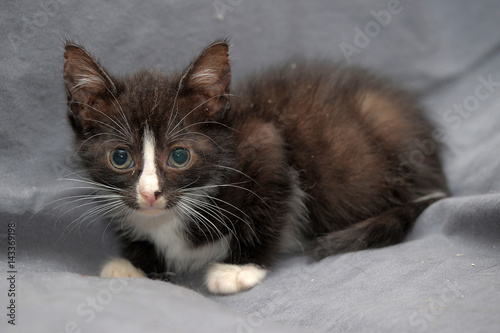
(88, 87)
(210, 76)
(82, 72)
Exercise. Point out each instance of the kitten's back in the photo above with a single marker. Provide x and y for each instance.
(353, 138)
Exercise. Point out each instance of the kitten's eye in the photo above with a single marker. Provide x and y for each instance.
(179, 158)
(121, 159)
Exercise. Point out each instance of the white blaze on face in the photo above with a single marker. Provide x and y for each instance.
(148, 184)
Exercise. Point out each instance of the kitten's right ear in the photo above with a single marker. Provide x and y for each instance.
(83, 72)
(86, 84)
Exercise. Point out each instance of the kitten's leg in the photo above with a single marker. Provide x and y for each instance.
(230, 279)
(248, 266)
(257, 234)
(121, 268)
(143, 255)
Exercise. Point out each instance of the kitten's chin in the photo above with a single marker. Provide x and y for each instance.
(151, 211)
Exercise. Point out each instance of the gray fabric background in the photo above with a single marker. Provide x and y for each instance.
(443, 278)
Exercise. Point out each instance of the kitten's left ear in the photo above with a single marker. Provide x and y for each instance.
(87, 85)
(209, 77)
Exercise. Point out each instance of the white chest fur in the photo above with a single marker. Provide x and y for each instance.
(168, 233)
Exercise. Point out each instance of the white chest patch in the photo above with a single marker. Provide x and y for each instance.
(168, 233)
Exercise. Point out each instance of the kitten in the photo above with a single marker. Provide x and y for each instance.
(304, 156)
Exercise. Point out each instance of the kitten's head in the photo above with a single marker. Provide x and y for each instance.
(151, 138)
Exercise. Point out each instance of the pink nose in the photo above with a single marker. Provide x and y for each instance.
(151, 197)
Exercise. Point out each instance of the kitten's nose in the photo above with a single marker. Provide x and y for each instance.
(151, 196)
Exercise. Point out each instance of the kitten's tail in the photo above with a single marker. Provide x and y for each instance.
(386, 229)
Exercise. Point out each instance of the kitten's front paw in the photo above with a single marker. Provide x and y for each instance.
(230, 279)
(121, 268)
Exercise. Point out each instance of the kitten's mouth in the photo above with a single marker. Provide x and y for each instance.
(151, 207)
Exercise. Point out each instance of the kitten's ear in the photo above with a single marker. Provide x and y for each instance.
(209, 76)
(83, 72)
(87, 84)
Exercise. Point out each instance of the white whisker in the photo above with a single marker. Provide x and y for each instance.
(234, 185)
(197, 218)
(215, 206)
(118, 214)
(120, 111)
(211, 210)
(236, 170)
(96, 213)
(170, 118)
(178, 135)
(93, 183)
(187, 115)
(119, 126)
(207, 223)
(172, 136)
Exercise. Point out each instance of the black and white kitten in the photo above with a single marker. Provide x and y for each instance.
(303, 156)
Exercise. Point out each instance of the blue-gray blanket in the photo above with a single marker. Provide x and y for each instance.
(445, 277)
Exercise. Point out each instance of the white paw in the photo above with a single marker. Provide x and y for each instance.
(230, 279)
(121, 268)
